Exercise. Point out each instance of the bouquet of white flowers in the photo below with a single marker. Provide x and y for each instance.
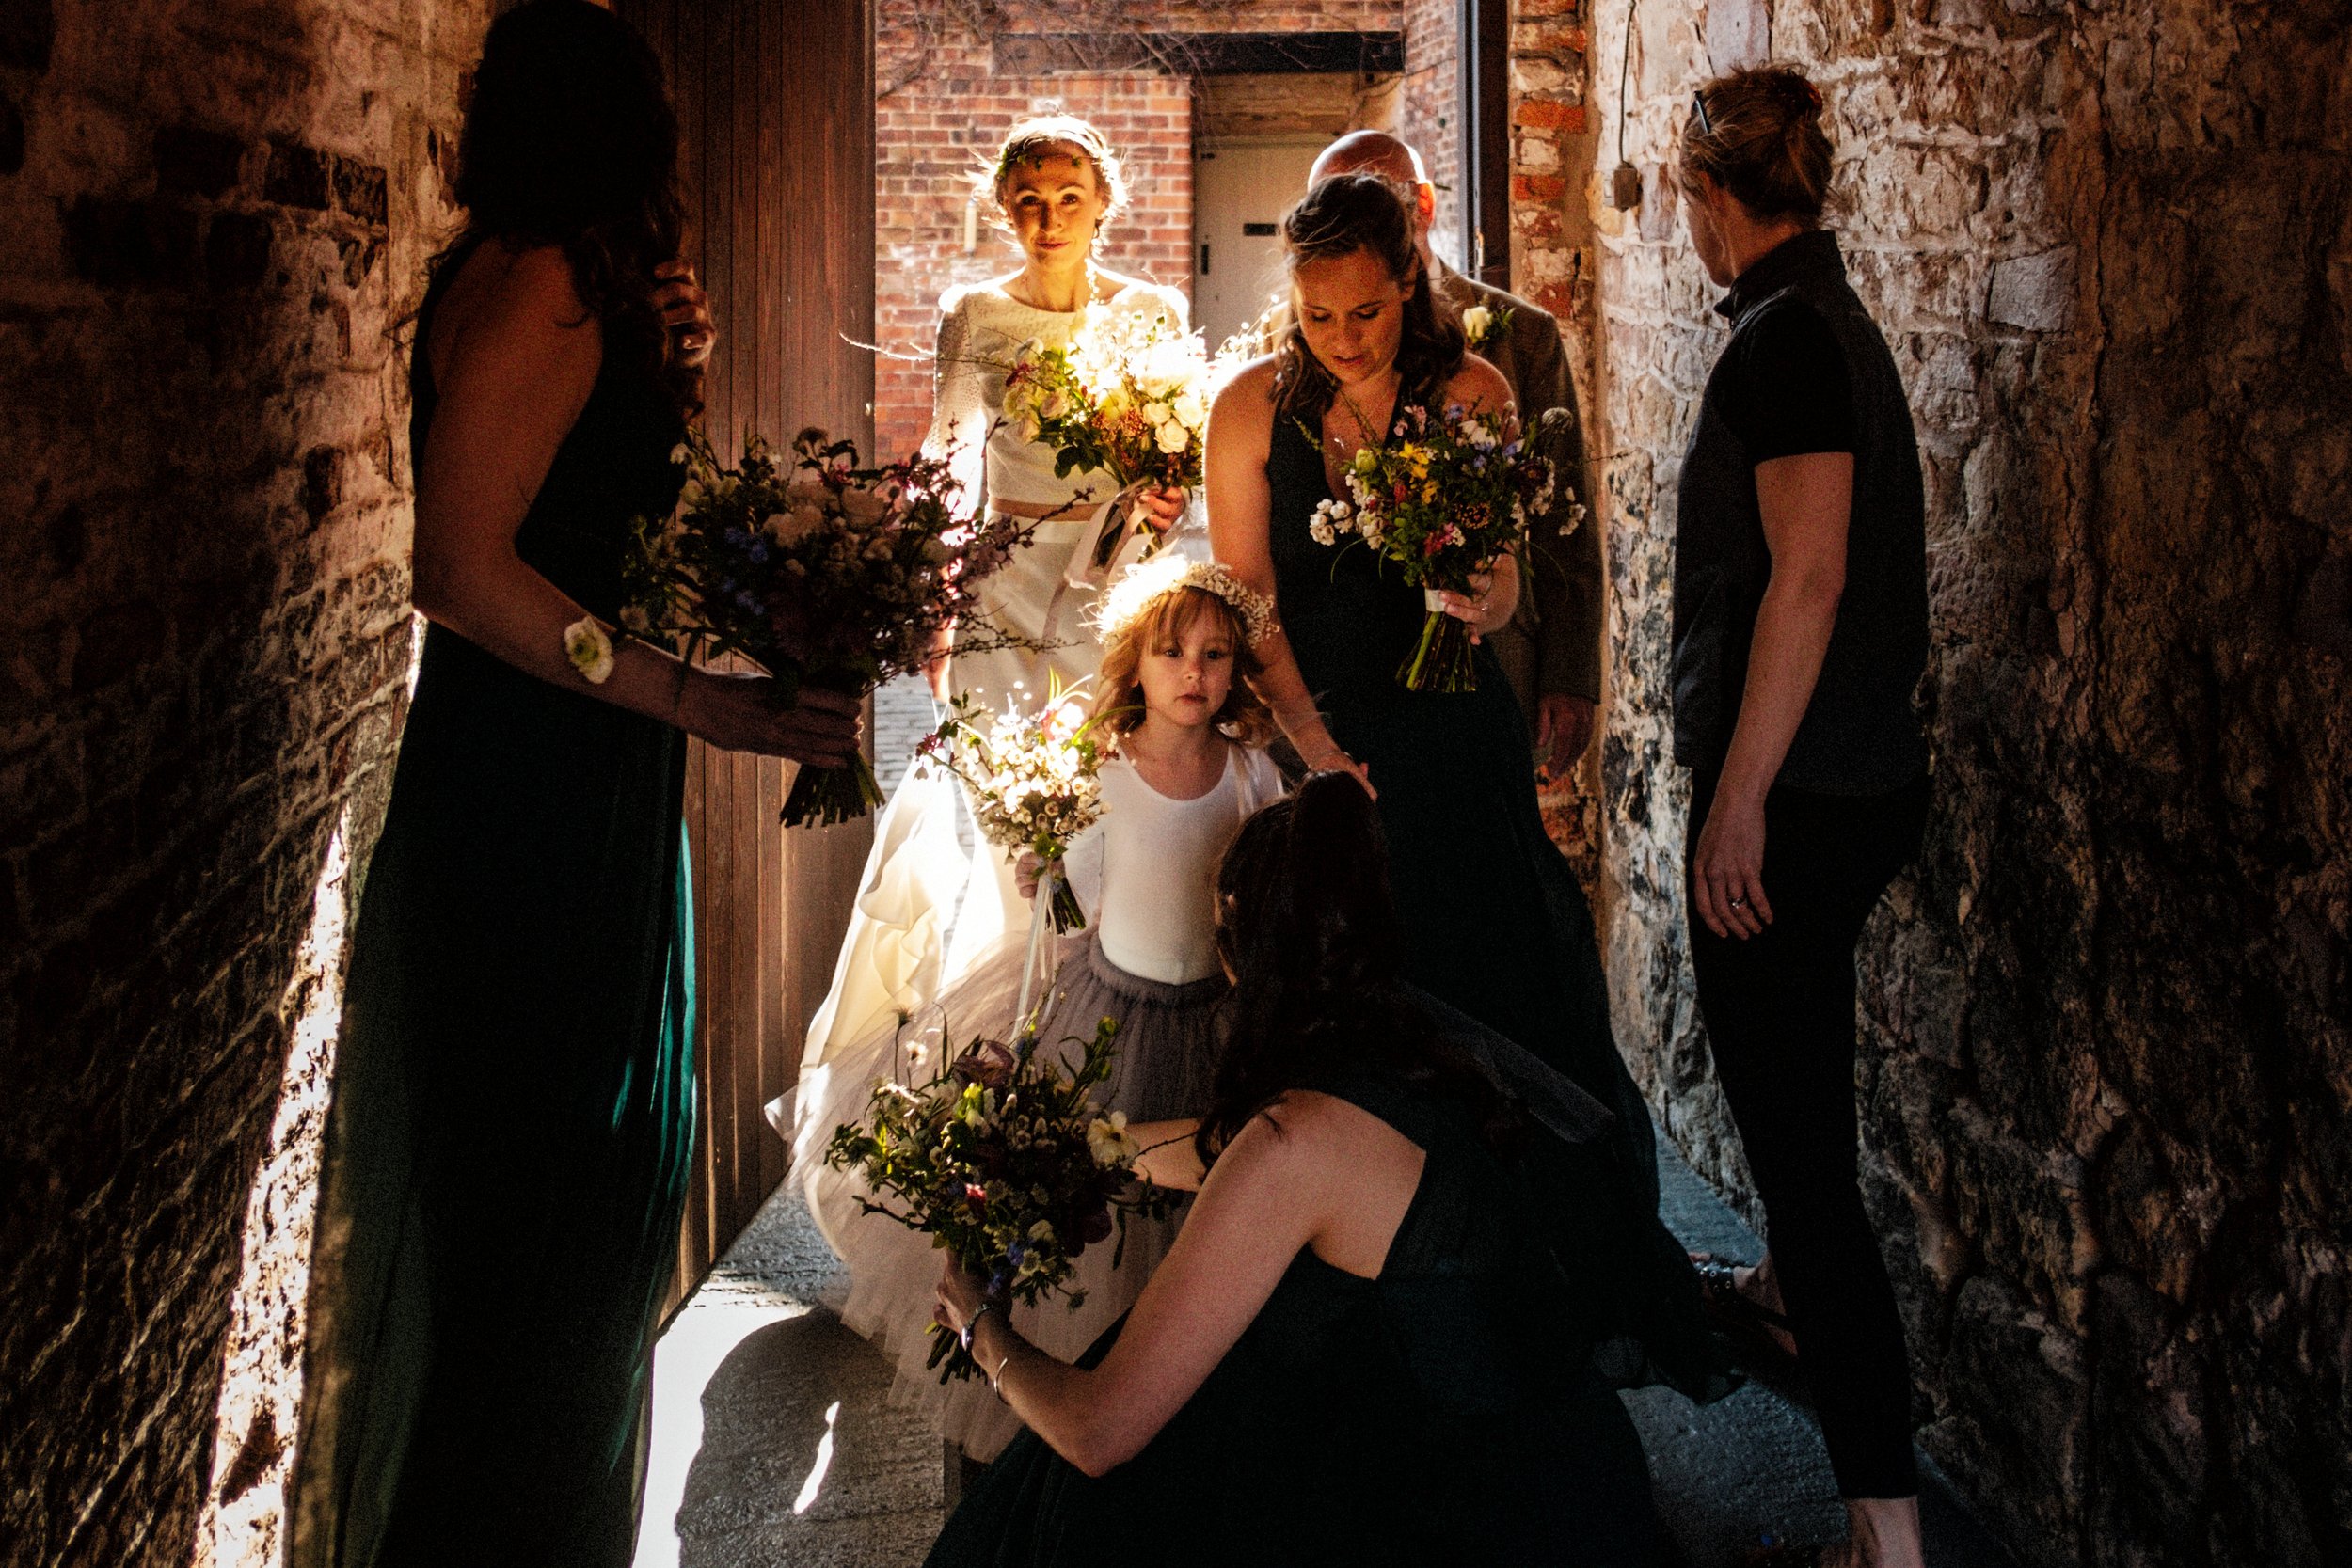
(1035, 782)
(1128, 397)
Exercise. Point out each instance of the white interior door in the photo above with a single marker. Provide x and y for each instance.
(1240, 190)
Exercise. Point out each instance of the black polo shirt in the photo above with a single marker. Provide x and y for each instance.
(1805, 371)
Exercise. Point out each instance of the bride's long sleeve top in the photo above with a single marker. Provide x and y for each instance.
(982, 328)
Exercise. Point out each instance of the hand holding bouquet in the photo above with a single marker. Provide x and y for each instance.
(827, 575)
(1444, 501)
(1003, 1160)
(1034, 781)
(1128, 397)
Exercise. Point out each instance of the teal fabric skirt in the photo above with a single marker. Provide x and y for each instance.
(507, 1156)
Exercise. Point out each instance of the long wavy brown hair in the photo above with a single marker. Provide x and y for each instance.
(571, 141)
(1339, 217)
(1308, 927)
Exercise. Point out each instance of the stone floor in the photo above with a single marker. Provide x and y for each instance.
(775, 1442)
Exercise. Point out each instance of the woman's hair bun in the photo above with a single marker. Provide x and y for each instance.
(1758, 134)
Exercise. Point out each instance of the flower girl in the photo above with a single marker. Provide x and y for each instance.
(1188, 767)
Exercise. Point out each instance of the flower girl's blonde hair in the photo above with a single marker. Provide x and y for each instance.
(1159, 601)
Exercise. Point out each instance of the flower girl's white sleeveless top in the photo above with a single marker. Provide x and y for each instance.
(1147, 871)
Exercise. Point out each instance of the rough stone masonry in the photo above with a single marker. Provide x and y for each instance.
(213, 217)
(2107, 1085)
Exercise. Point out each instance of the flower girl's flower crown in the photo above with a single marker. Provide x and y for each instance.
(1135, 592)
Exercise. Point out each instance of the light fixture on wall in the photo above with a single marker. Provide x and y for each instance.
(1624, 182)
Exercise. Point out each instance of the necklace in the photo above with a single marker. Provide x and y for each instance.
(1365, 434)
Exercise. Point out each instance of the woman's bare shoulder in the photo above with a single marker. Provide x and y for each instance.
(1478, 382)
(515, 296)
(1249, 392)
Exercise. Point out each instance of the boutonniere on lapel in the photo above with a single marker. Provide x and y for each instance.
(1483, 326)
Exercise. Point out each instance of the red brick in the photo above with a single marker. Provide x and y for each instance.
(1543, 113)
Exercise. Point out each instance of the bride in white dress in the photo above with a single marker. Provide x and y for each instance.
(1057, 184)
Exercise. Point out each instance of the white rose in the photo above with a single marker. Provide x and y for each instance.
(1476, 322)
(1174, 437)
(1191, 408)
(589, 649)
(863, 507)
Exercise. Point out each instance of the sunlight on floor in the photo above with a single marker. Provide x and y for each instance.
(697, 1342)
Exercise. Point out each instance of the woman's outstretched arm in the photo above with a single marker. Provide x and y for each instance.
(1314, 1171)
(515, 368)
(1241, 516)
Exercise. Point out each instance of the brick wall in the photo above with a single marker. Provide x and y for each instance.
(2106, 1123)
(211, 219)
(940, 107)
(1430, 117)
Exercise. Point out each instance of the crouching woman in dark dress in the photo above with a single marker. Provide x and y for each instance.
(1374, 1340)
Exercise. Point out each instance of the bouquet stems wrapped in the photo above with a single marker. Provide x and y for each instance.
(1003, 1160)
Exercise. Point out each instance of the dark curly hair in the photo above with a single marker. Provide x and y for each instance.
(570, 141)
(1306, 924)
(1339, 217)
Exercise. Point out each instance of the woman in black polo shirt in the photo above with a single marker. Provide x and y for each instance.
(1799, 631)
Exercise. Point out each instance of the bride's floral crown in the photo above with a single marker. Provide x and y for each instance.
(1144, 586)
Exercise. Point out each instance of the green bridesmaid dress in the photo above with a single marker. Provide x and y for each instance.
(506, 1159)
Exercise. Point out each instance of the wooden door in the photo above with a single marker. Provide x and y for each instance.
(775, 107)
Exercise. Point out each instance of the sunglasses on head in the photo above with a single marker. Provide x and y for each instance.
(1698, 107)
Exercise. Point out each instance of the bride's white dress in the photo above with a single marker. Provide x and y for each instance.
(926, 911)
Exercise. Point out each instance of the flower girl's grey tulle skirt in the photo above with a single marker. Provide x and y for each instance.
(1166, 1062)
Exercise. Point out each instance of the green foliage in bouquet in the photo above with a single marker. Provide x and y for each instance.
(1003, 1160)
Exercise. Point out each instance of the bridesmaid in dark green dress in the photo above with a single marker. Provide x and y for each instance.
(507, 1154)
(1498, 926)
(1372, 1341)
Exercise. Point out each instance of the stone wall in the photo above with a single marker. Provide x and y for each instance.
(942, 104)
(2108, 1084)
(213, 215)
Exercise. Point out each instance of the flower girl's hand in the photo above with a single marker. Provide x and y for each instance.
(742, 713)
(1026, 871)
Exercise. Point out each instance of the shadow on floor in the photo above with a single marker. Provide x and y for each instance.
(804, 1461)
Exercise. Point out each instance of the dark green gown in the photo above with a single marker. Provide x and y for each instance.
(1445, 1411)
(1497, 924)
(506, 1158)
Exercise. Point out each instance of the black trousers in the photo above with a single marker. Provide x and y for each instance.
(1779, 1008)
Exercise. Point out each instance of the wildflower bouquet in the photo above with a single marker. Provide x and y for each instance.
(1003, 1160)
(1129, 396)
(825, 573)
(1443, 501)
(1034, 781)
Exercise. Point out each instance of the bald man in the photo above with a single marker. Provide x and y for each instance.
(1551, 649)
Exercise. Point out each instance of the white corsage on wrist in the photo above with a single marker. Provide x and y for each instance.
(586, 645)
